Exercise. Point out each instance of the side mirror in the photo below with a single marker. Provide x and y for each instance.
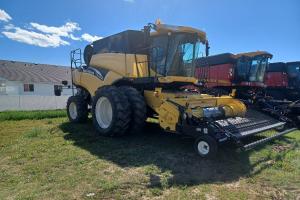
(65, 83)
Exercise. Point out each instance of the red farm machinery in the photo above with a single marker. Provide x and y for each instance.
(243, 72)
(251, 78)
(282, 80)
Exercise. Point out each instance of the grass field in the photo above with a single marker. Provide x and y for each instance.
(49, 158)
(20, 115)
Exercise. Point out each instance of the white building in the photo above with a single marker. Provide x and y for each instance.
(29, 86)
(20, 78)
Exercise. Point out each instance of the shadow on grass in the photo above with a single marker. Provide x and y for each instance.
(162, 152)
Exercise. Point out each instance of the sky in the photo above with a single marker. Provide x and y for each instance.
(45, 31)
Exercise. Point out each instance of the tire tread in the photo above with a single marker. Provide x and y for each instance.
(122, 111)
(82, 108)
(138, 108)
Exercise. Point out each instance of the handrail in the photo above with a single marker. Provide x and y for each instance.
(77, 62)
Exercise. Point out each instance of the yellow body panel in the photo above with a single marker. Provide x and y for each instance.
(120, 65)
(170, 79)
(91, 83)
(127, 65)
(168, 116)
(163, 104)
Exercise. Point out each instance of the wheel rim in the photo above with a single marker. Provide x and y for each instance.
(73, 110)
(103, 112)
(203, 148)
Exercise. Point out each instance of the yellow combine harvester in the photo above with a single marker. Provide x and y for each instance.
(138, 74)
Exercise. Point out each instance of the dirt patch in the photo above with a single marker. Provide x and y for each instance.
(279, 148)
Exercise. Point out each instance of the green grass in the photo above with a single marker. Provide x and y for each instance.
(41, 114)
(53, 159)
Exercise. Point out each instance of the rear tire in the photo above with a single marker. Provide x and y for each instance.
(138, 109)
(206, 146)
(111, 112)
(77, 109)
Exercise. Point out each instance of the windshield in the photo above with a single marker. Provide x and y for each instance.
(174, 55)
(253, 70)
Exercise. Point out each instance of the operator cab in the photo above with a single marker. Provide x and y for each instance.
(251, 68)
(174, 54)
(173, 50)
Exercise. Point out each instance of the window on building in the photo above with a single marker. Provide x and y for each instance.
(28, 87)
(57, 90)
(2, 87)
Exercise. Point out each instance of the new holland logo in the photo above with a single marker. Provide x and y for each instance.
(94, 72)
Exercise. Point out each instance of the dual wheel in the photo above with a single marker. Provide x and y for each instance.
(115, 111)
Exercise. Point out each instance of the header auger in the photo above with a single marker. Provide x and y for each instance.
(133, 75)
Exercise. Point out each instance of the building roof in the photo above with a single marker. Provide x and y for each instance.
(33, 73)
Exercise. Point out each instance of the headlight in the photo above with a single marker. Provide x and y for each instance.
(213, 112)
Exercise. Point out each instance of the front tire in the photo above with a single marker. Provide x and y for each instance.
(77, 109)
(206, 146)
(111, 112)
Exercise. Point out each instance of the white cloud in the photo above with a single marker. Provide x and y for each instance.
(34, 38)
(74, 37)
(46, 36)
(89, 38)
(4, 16)
(63, 30)
(9, 27)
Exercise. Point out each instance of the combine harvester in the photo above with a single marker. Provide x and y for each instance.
(283, 80)
(133, 75)
(282, 84)
(242, 72)
(264, 87)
